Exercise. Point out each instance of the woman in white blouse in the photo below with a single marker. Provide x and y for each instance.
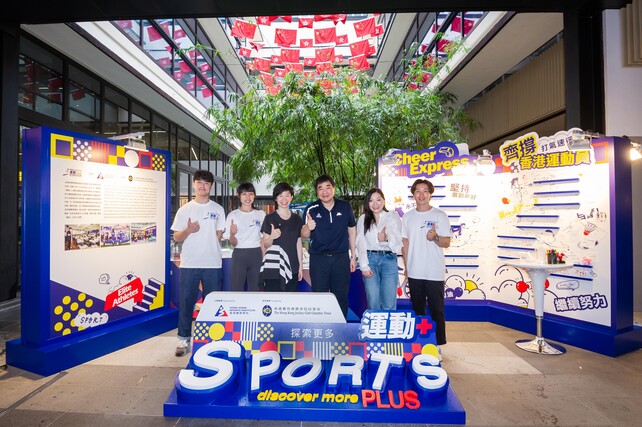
(378, 241)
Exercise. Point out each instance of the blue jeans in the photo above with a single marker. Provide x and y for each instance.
(381, 287)
(210, 278)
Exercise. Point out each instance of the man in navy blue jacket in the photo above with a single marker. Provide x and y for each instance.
(331, 227)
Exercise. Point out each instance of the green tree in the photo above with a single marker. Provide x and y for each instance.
(338, 124)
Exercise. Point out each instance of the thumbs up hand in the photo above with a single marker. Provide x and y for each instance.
(432, 234)
(275, 233)
(233, 228)
(312, 224)
(192, 227)
(382, 236)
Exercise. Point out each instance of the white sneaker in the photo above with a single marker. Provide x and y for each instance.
(439, 353)
(182, 348)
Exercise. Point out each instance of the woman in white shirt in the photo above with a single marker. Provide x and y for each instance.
(244, 232)
(378, 242)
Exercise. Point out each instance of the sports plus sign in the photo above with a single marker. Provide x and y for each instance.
(424, 326)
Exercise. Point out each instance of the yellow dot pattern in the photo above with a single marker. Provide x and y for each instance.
(339, 348)
(265, 332)
(158, 162)
(65, 312)
(201, 331)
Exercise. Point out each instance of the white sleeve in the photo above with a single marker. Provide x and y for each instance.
(362, 248)
(180, 220)
(221, 222)
(228, 223)
(393, 230)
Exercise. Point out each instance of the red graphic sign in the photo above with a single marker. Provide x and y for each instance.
(133, 289)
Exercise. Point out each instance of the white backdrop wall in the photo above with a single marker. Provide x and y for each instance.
(623, 109)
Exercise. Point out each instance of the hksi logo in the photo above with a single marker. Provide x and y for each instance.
(318, 215)
(221, 312)
(339, 214)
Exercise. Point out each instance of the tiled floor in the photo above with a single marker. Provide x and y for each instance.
(497, 383)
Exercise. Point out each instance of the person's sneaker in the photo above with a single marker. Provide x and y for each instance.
(439, 353)
(182, 348)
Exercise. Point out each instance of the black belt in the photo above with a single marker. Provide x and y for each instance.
(332, 254)
(380, 252)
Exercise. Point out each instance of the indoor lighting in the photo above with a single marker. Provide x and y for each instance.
(485, 163)
(636, 151)
(580, 141)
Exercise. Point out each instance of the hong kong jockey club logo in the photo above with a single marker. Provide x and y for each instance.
(267, 310)
(221, 312)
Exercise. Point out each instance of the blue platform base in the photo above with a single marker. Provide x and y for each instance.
(53, 358)
(448, 411)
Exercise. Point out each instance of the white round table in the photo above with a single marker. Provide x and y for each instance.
(538, 273)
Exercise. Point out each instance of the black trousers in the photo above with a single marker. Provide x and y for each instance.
(332, 273)
(434, 291)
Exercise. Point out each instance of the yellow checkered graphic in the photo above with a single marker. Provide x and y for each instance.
(158, 162)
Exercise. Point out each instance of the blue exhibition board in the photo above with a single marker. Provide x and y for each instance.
(95, 249)
(384, 369)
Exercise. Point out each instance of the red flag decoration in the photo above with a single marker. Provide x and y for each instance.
(190, 85)
(325, 67)
(184, 66)
(165, 27)
(430, 61)
(359, 48)
(249, 65)
(335, 18)
(338, 59)
(164, 62)
(279, 72)
(261, 64)
(153, 34)
(425, 77)
(468, 25)
(245, 52)
(275, 59)
(206, 92)
(325, 35)
(257, 46)
(309, 62)
(324, 55)
(443, 44)
(205, 67)
(290, 55)
(423, 48)
(266, 78)
(308, 74)
(341, 39)
(359, 62)
(326, 84)
(179, 34)
(243, 29)
(413, 86)
(285, 37)
(378, 31)
(265, 20)
(306, 43)
(364, 27)
(124, 25)
(77, 94)
(371, 50)
(305, 22)
(285, 18)
(272, 90)
(179, 75)
(293, 66)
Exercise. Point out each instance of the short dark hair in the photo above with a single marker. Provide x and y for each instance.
(431, 188)
(280, 188)
(246, 187)
(323, 178)
(203, 175)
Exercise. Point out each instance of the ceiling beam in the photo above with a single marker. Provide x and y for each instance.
(41, 11)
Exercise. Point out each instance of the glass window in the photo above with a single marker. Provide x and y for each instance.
(141, 121)
(183, 148)
(116, 113)
(84, 100)
(205, 155)
(160, 133)
(131, 27)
